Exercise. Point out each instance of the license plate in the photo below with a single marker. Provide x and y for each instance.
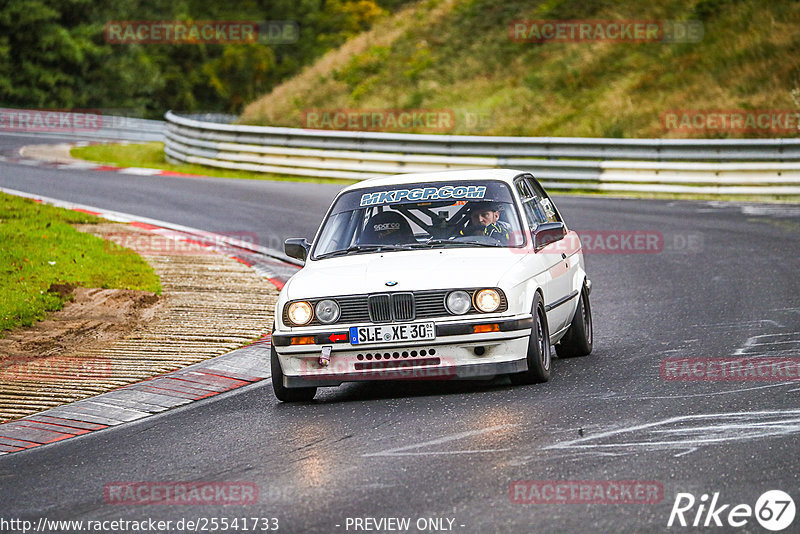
(392, 333)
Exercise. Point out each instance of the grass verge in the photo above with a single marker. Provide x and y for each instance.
(151, 155)
(40, 248)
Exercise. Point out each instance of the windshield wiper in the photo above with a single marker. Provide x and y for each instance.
(445, 242)
(355, 249)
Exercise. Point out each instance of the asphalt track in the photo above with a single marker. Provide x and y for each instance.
(724, 283)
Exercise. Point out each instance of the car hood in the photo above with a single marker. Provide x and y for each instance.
(411, 270)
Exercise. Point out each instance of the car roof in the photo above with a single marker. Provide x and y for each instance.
(506, 175)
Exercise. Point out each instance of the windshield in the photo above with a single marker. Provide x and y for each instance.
(417, 216)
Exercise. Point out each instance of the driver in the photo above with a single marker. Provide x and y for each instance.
(485, 220)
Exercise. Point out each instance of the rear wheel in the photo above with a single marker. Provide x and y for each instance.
(578, 339)
(538, 355)
(283, 393)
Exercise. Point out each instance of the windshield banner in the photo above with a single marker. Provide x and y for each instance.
(423, 194)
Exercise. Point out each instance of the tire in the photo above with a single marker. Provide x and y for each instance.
(283, 393)
(578, 339)
(538, 355)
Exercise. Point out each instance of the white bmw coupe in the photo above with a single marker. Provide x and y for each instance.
(460, 274)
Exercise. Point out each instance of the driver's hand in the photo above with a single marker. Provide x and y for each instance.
(473, 229)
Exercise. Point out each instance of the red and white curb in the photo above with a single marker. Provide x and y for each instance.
(236, 369)
(19, 159)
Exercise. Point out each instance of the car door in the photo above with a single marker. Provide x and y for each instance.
(557, 256)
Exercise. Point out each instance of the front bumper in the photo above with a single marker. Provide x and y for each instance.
(456, 353)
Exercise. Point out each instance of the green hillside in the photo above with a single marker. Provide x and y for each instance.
(457, 55)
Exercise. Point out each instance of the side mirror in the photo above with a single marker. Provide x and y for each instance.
(547, 233)
(297, 248)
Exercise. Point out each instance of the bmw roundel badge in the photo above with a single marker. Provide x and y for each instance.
(391, 283)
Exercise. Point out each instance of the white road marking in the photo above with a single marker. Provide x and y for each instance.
(435, 453)
(684, 453)
(773, 210)
(400, 451)
(759, 341)
(710, 394)
(740, 324)
(716, 428)
(778, 342)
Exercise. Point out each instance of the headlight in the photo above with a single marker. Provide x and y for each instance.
(487, 300)
(458, 302)
(300, 313)
(327, 311)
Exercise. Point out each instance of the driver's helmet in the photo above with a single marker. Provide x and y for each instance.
(483, 205)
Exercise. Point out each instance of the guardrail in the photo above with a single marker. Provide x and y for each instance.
(64, 125)
(131, 129)
(738, 166)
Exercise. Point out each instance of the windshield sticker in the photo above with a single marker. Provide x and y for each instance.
(422, 194)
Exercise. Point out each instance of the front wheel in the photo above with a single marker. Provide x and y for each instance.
(538, 355)
(578, 339)
(283, 393)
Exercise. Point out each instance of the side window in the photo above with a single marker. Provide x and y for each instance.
(545, 206)
(530, 203)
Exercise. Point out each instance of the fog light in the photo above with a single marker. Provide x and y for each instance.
(304, 340)
(483, 328)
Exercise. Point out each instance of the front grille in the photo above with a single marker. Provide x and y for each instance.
(387, 307)
(403, 306)
(380, 308)
(430, 303)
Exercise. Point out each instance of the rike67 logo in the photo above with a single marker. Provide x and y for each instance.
(774, 510)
